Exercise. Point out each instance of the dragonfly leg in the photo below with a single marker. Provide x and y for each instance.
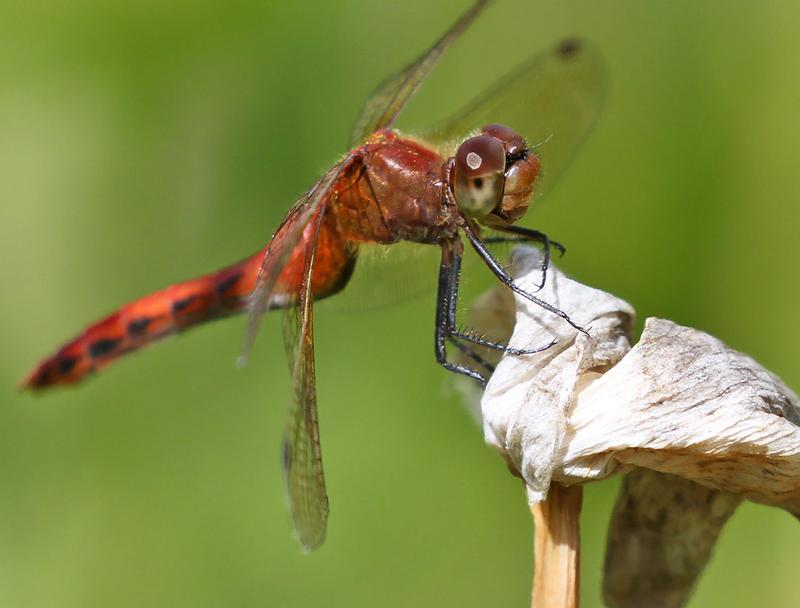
(472, 355)
(446, 325)
(446, 300)
(501, 273)
(518, 234)
(475, 338)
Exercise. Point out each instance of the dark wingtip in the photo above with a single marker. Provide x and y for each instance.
(569, 47)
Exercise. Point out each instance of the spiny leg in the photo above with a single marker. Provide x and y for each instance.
(471, 336)
(527, 235)
(472, 354)
(446, 299)
(474, 338)
(501, 273)
(446, 324)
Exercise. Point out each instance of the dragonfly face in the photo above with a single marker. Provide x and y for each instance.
(388, 188)
(493, 176)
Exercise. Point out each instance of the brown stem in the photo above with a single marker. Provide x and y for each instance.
(556, 548)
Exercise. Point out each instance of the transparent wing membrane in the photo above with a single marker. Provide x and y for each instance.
(391, 96)
(302, 454)
(281, 247)
(386, 275)
(553, 100)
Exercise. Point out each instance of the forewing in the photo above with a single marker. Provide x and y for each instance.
(302, 461)
(283, 243)
(553, 100)
(302, 455)
(389, 99)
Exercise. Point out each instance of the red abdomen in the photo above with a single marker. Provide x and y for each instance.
(148, 319)
(188, 304)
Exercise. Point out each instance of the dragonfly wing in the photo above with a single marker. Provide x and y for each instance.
(281, 247)
(302, 460)
(553, 100)
(391, 96)
(302, 455)
(387, 275)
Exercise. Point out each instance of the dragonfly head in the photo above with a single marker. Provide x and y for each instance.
(493, 176)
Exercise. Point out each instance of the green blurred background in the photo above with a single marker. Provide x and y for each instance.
(143, 143)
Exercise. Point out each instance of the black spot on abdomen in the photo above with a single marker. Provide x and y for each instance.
(227, 284)
(103, 347)
(138, 326)
(179, 306)
(66, 364)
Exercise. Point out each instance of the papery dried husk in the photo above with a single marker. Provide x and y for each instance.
(694, 426)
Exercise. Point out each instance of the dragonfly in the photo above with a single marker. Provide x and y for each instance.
(470, 175)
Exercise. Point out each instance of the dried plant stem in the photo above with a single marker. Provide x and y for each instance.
(557, 548)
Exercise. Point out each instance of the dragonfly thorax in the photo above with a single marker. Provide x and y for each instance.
(394, 192)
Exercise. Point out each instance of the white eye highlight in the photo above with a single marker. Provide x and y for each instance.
(479, 175)
(474, 161)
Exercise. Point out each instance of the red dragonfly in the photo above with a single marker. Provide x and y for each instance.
(388, 188)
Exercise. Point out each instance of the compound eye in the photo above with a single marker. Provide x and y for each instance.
(514, 142)
(479, 175)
